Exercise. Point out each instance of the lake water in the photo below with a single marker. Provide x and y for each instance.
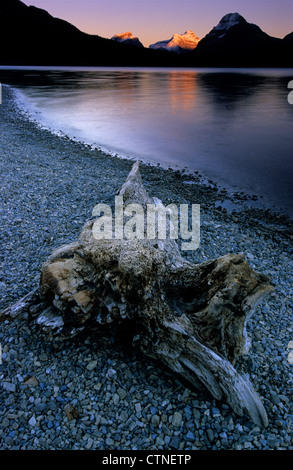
(233, 126)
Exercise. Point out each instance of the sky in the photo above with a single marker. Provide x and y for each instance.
(155, 20)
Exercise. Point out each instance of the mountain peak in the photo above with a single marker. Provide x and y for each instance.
(229, 20)
(226, 23)
(127, 38)
(179, 42)
(122, 36)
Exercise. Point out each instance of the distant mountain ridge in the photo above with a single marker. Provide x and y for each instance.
(31, 36)
(178, 43)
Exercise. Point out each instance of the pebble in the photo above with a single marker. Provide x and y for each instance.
(210, 435)
(155, 420)
(116, 399)
(9, 387)
(177, 419)
(32, 421)
(109, 442)
(91, 365)
(175, 442)
(190, 436)
(31, 382)
(122, 393)
(111, 373)
(95, 392)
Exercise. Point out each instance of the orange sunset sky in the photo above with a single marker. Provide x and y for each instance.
(154, 20)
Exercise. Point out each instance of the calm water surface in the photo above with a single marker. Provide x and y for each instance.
(232, 126)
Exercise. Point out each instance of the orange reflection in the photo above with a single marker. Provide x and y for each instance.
(182, 89)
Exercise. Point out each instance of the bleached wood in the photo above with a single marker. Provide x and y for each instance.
(192, 317)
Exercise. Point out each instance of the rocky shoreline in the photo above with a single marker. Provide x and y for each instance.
(94, 392)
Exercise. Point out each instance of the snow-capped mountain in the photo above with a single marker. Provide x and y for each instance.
(234, 25)
(227, 22)
(178, 43)
(235, 42)
(127, 38)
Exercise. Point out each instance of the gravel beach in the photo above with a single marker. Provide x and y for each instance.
(95, 392)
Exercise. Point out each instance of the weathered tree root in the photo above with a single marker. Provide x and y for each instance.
(192, 317)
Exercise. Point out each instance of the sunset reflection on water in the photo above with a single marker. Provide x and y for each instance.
(233, 126)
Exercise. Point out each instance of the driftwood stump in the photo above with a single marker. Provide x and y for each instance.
(192, 317)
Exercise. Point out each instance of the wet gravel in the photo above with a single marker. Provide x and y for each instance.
(95, 392)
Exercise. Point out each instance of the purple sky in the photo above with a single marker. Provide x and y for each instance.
(154, 20)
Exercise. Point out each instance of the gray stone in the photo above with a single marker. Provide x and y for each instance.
(9, 387)
(138, 407)
(175, 442)
(116, 399)
(92, 365)
(210, 435)
(32, 422)
(155, 420)
(177, 419)
(272, 441)
(122, 393)
(111, 373)
(110, 442)
(190, 436)
(5, 423)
